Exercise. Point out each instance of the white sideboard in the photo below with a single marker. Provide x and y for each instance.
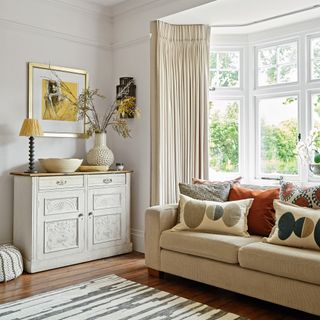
(66, 219)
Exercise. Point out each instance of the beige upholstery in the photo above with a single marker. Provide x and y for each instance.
(157, 219)
(291, 293)
(299, 264)
(214, 246)
(282, 275)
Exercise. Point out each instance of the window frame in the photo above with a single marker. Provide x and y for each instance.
(267, 176)
(230, 175)
(275, 44)
(309, 60)
(228, 49)
(233, 93)
(249, 93)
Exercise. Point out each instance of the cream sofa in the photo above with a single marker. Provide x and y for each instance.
(282, 275)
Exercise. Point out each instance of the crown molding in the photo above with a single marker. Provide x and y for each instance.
(129, 43)
(130, 6)
(86, 8)
(23, 27)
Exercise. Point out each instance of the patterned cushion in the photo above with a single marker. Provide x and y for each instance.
(295, 226)
(201, 181)
(303, 197)
(214, 217)
(11, 265)
(211, 192)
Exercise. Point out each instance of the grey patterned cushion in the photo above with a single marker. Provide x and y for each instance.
(210, 192)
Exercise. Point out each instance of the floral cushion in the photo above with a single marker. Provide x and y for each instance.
(300, 196)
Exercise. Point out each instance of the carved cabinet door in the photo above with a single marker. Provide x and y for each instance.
(60, 227)
(107, 217)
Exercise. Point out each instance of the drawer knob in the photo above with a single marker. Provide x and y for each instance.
(61, 182)
(80, 215)
(90, 214)
(107, 180)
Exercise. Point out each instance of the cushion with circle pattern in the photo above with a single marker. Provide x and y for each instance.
(300, 196)
(214, 217)
(295, 226)
(11, 265)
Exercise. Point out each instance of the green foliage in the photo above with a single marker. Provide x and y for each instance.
(224, 69)
(224, 142)
(278, 147)
(278, 142)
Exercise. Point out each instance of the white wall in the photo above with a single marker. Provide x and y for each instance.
(131, 57)
(45, 32)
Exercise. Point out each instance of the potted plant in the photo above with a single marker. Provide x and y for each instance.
(309, 152)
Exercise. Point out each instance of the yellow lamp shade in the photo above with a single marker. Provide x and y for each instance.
(31, 128)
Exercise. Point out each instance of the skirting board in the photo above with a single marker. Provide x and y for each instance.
(137, 238)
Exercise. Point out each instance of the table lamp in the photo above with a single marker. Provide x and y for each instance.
(31, 128)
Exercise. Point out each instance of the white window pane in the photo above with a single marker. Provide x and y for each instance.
(267, 56)
(315, 69)
(278, 64)
(228, 60)
(267, 76)
(287, 53)
(288, 73)
(229, 79)
(278, 121)
(315, 109)
(213, 60)
(224, 136)
(315, 48)
(225, 69)
(315, 103)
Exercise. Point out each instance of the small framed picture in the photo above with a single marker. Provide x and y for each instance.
(52, 95)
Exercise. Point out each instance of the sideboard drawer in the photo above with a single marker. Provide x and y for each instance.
(106, 179)
(60, 182)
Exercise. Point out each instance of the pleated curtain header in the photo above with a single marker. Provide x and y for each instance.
(171, 32)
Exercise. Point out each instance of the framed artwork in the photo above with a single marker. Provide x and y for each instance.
(52, 94)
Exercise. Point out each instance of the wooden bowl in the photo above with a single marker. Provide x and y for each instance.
(58, 165)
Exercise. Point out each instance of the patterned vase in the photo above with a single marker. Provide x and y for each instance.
(100, 154)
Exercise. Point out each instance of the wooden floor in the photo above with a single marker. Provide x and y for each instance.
(131, 266)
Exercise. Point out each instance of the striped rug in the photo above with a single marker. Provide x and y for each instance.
(113, 298)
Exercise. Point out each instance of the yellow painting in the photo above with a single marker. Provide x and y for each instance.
(58, 101)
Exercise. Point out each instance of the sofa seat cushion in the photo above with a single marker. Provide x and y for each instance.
(293, 263)
(218, 247)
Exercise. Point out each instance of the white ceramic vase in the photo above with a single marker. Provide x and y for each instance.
(100, 154)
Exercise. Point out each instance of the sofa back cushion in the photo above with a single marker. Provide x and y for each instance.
(214, 217)
(296, 226)
(261, 218)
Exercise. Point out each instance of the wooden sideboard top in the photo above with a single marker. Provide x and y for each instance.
(77, 173)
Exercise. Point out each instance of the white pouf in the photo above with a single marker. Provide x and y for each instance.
(11, 265)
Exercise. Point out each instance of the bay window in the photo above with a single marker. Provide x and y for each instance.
(262, 100)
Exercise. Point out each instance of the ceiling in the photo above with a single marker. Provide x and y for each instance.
(244, 11)
(105, 3)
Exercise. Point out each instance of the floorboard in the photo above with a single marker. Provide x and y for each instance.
(131, 266)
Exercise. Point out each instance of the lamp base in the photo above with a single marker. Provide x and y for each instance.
(31, 156)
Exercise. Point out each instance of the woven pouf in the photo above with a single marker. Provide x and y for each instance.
(11, 265)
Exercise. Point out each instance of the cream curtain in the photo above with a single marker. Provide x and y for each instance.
(179, 106)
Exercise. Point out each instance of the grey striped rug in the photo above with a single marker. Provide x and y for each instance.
(113, 298)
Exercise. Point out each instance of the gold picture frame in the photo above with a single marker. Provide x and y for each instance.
(51, 104)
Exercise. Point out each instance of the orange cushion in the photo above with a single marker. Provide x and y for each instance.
(261, 218)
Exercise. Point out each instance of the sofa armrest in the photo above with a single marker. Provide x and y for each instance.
(157, 220)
